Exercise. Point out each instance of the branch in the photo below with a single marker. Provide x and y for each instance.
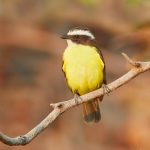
(59, 108)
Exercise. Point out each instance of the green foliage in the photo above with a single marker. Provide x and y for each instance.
(137, 2)
(133, 2)
(89, 3)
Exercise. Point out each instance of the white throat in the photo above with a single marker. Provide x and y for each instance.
(70, 43)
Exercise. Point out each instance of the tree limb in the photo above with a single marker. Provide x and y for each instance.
(59, 108)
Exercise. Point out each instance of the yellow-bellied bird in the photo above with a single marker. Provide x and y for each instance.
(84, 68)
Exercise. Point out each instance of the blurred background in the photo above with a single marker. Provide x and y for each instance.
(31, 77)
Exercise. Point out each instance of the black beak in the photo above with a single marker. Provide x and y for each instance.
(64, 36)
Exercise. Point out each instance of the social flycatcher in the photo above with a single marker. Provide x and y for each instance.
(84, 68)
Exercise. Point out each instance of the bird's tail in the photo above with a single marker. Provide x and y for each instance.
(91, 110)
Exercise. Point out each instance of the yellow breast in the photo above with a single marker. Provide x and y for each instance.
(83, 68)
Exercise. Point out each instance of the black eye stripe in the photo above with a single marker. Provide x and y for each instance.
(77, 36)
(81, 36)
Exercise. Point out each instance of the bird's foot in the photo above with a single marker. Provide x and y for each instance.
(77, 98)
(106, 89)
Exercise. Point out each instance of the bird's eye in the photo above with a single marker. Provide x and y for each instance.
(76, 36)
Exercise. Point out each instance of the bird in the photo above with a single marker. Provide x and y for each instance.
(84, 69)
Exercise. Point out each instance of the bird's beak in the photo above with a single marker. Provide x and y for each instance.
(64, 36)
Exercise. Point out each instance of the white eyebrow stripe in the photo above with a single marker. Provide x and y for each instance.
(81, 32)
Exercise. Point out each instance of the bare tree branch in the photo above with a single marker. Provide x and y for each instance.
(59, 108)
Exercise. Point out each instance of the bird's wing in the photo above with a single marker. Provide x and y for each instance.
(104, 70)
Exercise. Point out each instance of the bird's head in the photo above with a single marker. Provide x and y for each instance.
(79, 35)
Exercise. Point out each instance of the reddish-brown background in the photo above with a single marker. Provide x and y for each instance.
(31, 76)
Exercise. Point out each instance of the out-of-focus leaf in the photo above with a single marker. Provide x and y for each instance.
(133, 2)
(138, 2)
(89, 3)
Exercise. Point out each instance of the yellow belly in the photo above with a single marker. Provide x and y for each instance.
(83, 68)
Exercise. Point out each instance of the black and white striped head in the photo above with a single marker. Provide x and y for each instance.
(79, 35)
